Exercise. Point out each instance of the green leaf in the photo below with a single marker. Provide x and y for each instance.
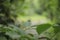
(13, 34)
(41, 28)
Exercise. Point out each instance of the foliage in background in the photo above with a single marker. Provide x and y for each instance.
(11, 9)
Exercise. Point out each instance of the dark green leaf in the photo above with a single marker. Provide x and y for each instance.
(41, 28)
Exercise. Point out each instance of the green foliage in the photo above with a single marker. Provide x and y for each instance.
(2, 38)
(42, 27)
(15, 33)
(10, 9)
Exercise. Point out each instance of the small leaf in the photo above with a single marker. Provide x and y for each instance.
(41, 28)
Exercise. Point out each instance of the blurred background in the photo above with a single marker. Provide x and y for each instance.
(29, 19)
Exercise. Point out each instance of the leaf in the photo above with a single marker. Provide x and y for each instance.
(41, 28)
(13, 34)
(13, 31)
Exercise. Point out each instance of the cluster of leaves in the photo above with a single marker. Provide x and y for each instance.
(8, 14)
(12, 32)
(8, 29)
